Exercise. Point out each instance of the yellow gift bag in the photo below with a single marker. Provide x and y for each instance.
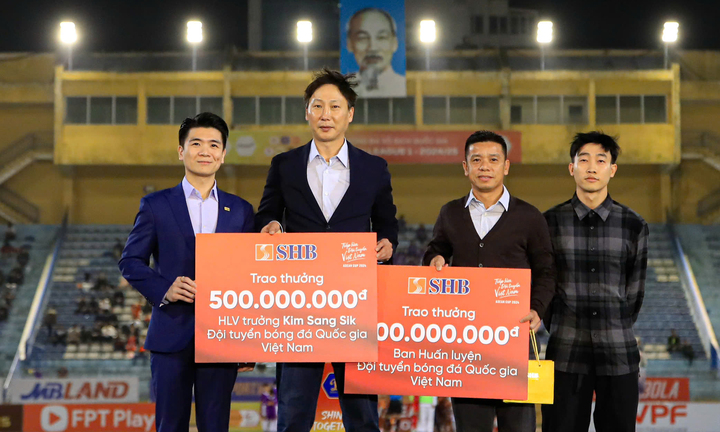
(541, 378)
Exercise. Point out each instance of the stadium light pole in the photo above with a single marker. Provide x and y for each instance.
(428, 35)
(194, 36)
(544, 37)
(304, 36)
(669, 36)
(68, 36)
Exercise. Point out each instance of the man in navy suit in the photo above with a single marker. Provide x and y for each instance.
(327, 185)
(165, 228)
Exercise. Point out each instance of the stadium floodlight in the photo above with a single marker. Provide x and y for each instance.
(670, 32)
(669, 35)
(194, 32)
(428, 35)
(544, 37)
(68, 36)
(68, 33)
(304, 31)
(304, 36)
(194, 36)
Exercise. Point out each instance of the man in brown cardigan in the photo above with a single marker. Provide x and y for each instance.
(490, 228)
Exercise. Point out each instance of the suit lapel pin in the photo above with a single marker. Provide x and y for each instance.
(227, 208)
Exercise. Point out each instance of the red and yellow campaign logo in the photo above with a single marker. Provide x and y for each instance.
(264, 252)
(417, 285)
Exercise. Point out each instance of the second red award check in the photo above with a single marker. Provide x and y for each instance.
(450, 333)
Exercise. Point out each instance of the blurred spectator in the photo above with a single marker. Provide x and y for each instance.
(62, 372)
(16, 276)
(100, 282)
(83, 306)
(131, 345)
(59, 336)
(136, 310)
(96, 333)
(146, 307)
(119, 344)
(4, 311)
(73, 336)
(106, 317)
(93, 306)
(10, 233)
(86, 335)
(673, 343)
(402, 224)
(117, 249)
(86, 285)
(688, 352)
(2, 278)
(125, 331)
(108, 332)
(118, 298)
(268, 409)
(9, 296)
(104, 305)
(7, 250)
(421, 234)
(23, 257)
(140, 354)
(444, 415)
(50, 319)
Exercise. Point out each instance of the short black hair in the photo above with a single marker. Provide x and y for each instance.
(203, 120)
(344, 83)
(608, 143)
(391, 20)
(485, 136)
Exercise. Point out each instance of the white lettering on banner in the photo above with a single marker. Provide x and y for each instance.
(57, 418)
(676, 417)
(88, 390)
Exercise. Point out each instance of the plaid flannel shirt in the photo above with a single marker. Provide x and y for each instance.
(601, 260)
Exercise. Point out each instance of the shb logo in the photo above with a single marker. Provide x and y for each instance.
(417, 285)
(54, 418)
(264, 252)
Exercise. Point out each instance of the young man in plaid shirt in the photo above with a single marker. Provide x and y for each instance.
(600, 249)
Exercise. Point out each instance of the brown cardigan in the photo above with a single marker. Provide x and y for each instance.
(520, 239)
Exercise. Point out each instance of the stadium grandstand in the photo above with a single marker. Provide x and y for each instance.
(82, 146)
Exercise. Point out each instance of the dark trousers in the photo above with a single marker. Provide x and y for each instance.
(298, 390)
(616, 403)
(477, 415)
(173, 377)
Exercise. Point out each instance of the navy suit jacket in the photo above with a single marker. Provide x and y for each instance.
(367, 205)
(163, 230)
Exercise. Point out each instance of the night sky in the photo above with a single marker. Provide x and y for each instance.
(153, 25)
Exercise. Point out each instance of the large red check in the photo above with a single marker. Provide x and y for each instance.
(286, 298)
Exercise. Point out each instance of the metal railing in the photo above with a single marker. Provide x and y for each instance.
(19, 205)
(41, 141)
(701, 139)
(709, 205)
(27, 339)
(459, 59)
(697, 305)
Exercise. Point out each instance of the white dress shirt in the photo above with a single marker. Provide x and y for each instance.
(328, 181)
(203, 212)
(485, 219)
